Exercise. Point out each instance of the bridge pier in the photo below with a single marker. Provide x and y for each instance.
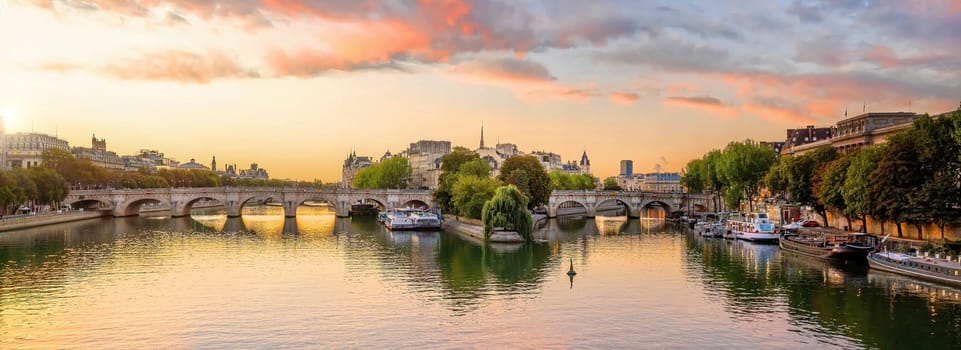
(290, 208)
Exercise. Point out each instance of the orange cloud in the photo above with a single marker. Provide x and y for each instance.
(705, 103)
(178, 66)
(624, 98)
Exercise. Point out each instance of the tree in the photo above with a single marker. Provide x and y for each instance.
(712, 175)
(450, 167)
(743, 165)
(471, 192)
(856, 182)
(51, 187)
(610, 184)
(476, 167)
(571, 182)
(395, 173)
(507, 209)
(831, 189)
(938, 196)
(893, 181)
(391, 173)
(804, 178)
(533, 181)
(694, 177)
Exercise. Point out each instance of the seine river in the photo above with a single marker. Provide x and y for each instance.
(265, 282)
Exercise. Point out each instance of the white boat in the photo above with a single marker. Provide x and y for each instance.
(401, 223)
(411, 220)
(755, 227)
(425, 221)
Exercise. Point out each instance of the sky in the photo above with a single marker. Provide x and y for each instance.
(295, 85)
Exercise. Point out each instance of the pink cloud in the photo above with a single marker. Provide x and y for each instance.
(624, 98)
(705, 103)
(508, 69)
(778, 114)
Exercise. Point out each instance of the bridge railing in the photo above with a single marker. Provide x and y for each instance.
(187, 190)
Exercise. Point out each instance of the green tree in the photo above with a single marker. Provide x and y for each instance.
(804, 178)
(571, 182)
(51, 187)
(938, 196)
(743, 165)
(391, 173)
(507, 209)
(450, 168)
(395, 173)
(893, 181)
(694, 178)
(856, 182)
(471, 192)
(832, 185)
(713, 179)
(475, 167)
(533, 181)
(8, 196)
(610, 184)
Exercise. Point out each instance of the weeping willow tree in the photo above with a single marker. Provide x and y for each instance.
(508, 210)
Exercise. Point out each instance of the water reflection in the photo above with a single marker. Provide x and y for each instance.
(315, 280)
(832, 303)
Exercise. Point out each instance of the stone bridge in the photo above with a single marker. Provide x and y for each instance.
(127, 202)
(633, 202)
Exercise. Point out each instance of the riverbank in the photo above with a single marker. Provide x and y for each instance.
(468, 227)
(49, 219)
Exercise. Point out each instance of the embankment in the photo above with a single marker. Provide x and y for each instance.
(49, 219)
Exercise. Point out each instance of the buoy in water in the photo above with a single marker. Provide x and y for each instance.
(571, 272)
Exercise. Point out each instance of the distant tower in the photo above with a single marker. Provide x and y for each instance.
(482, 137)
(100, 145)
(585, 163)
(213, 164)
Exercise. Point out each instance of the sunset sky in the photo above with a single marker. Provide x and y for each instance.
(295, 85)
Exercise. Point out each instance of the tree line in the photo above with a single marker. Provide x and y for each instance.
(465, 183)
(913, 178)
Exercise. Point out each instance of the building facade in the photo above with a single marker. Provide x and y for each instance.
(25, 150)
(627, 168)
(352, 164)
(849, 134)
(99, 155)
(425, 158)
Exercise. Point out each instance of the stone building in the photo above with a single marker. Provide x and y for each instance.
(425, 157)
(352, 164)
(849, 134)
(99, 155)
(25, 150)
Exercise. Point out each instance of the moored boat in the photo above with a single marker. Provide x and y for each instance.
(755, 227)
(830, 247)
(931, 269)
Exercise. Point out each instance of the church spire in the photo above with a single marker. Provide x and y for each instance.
(482, 137)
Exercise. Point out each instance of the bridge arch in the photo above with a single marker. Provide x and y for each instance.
(89, 204)
(131, 207)
(607, 202)
(416, 203)
(568, 207)
(184, 208)
(650, 209)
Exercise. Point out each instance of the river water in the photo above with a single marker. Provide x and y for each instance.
(265, 282)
